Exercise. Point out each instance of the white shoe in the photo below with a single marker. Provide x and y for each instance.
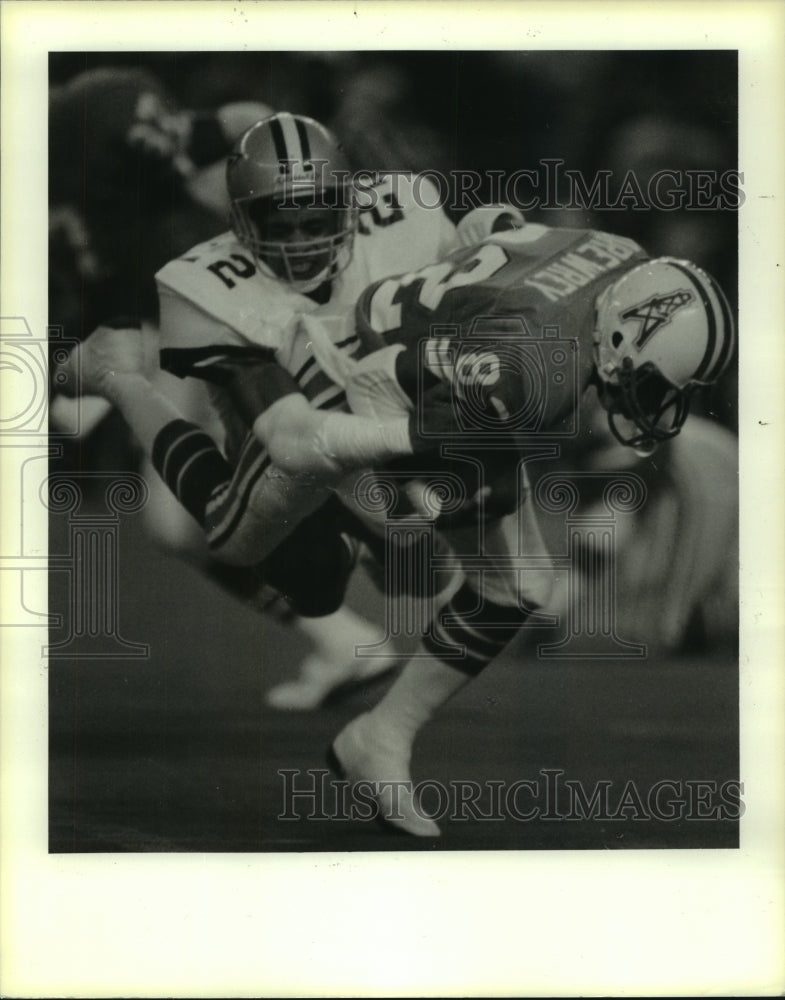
(364, 751)
(320, 678)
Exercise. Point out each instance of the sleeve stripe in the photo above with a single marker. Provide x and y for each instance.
(330, 399)
(354, 340)
(173, 437)
(335, 403)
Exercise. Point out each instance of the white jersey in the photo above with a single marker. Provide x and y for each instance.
(243, 309)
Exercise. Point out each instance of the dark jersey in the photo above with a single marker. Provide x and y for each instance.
(505, 329)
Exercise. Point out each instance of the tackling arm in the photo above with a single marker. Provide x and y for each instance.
(326, 446)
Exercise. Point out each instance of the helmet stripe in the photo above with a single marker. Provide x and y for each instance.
(278, 139)
(728, 339)
(302, 132)
(291, 137)
(711, 337)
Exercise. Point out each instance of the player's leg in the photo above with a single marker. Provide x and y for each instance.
(469, 631)
(337, 660)
(311, 570)
(245, 513)
(333, 663)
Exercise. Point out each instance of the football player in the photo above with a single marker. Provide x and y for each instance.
(135, 180)
(493, 348)
(305, 241)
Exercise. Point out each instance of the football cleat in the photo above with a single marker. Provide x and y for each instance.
(367, 752)
(662, 331)
(293, 202)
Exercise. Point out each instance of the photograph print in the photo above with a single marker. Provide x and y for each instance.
(393, 477)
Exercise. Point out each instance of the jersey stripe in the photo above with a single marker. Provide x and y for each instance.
(340, 345)
(337, 401)
(329, 399)
(316, 384)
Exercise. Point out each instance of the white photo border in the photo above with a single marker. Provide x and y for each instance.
(530, 923)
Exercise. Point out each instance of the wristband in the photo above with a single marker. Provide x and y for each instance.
(354, 441)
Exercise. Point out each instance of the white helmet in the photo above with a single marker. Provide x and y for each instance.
(662, 330)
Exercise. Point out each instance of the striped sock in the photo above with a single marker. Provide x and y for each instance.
(190, 464)
(470, 631)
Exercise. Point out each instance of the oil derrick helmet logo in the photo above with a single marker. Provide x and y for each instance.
(656, 312)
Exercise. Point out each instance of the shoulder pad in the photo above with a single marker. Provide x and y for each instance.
(221, 278)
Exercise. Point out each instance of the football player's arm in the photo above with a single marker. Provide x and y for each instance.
(324, 446)
(187, 141)
(192, 341)
(300, 440)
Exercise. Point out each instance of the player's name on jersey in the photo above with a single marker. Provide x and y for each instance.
(570, 271)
